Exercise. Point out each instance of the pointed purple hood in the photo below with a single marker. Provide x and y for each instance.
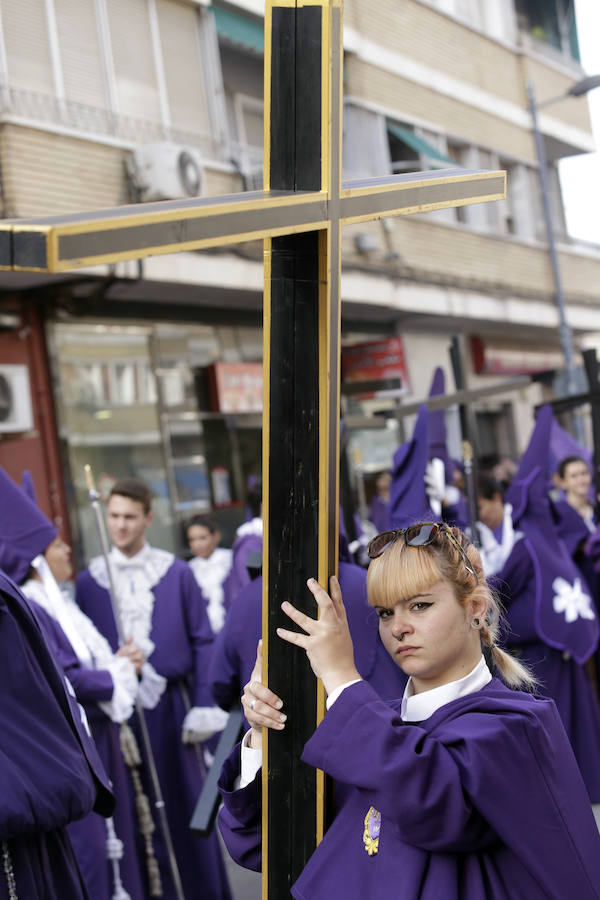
(408, 499)
(565, 614)
(25, 531)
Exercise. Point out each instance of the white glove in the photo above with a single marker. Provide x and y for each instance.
(125, 687)
(202, 722)
(151, 687)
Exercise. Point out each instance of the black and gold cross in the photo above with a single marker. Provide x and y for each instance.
(299, 216)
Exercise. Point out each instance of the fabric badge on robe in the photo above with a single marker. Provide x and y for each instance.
(371, 832)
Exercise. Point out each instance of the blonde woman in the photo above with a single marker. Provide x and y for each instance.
(464, 788)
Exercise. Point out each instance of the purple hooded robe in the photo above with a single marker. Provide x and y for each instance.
(50, 773)
(552, 621)
(183, 639)
(481, 801)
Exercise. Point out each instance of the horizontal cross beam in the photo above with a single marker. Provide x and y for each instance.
(64, 242)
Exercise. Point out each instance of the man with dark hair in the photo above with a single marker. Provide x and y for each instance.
(135, 489)
(168, 639)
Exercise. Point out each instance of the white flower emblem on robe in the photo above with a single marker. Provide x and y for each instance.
(571, 600)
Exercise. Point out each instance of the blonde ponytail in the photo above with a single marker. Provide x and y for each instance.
(513, 673)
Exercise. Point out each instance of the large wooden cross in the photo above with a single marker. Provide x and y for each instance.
(299, 216)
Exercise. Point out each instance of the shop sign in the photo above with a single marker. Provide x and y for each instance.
(375, 361)
(490, 359)
(236, 387)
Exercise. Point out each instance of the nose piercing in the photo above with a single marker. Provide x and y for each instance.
(402, 636)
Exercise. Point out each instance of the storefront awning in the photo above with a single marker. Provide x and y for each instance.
(419, 144)
(240, 30)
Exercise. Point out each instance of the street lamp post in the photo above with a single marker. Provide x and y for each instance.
(565, 333)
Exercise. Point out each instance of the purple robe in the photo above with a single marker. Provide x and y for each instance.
(88, 836)
(582, 544)
(235, 646)
(481, 801)
(379, 513)
(239, 576)
(183, 641)
(50, 773)
(561, 677)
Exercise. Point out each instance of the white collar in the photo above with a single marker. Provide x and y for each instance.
(418, 707)
(254, 526)
(138, 559)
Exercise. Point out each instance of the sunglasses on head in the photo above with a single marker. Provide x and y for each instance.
(419, 535)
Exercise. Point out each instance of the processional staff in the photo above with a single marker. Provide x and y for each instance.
(128, 742)
(468, 455)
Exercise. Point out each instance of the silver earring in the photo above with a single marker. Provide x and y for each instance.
(476, 622)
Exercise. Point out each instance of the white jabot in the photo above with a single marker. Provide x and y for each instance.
(210, 574)
(418, 707)
(134, 577)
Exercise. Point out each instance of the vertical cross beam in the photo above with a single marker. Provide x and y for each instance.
(301, 407)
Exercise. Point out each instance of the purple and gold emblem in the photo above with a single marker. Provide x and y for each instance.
(371, 832)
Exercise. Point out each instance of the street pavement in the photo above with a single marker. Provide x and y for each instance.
(245, 885)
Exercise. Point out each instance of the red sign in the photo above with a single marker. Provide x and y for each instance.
(236, 387)
(375, 361)
(489, 359)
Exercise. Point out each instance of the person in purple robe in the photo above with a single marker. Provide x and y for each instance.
(105, 685)
(551, 620)
(379, 510)
(574, 515)
(51, 775)
(247, 546)
(210, 564)
(466, 787)
(169, 640)
(577, 524)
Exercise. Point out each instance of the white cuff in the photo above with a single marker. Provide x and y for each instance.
(251, 762)
(202, 722)
(125, 687)
(151, 687)
(335, 694)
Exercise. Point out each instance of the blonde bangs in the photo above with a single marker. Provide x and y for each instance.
(401, 572)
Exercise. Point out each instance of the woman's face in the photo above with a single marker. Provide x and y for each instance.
(430, 636)
(576, 479)
(58, 557)
(203, 542)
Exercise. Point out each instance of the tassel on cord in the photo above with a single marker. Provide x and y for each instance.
(9, 872)
(114, 852)
(133, 759)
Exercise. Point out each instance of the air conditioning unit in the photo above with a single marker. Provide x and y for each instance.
(16, 412)
(167, 171)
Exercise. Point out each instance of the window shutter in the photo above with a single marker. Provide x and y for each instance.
(80, 52)
(179, 38)
(133, 60)
(27, 46)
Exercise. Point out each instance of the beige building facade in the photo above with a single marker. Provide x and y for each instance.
(106, 102)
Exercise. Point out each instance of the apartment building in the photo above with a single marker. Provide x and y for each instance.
(154, 368)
